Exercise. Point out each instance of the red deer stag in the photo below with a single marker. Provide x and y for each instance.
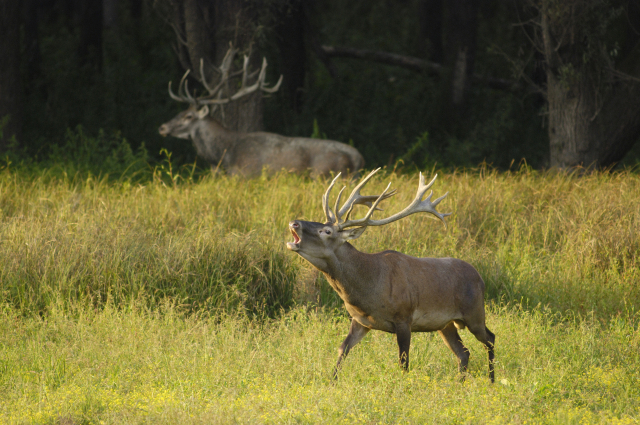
(391, 291)
(248, 153)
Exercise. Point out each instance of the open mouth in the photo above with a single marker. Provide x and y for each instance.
(295, 245)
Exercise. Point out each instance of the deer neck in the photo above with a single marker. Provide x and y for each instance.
(350, 272)
(212, 139)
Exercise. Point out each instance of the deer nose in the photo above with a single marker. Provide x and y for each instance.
(163, 130)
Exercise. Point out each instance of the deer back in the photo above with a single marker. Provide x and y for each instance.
(251, 152)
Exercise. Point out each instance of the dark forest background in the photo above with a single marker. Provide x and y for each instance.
(407, 82)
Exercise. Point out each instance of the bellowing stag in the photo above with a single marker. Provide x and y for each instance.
(391, 291)
(248, 153)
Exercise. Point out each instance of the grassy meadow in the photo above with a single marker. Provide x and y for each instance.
(174, 300)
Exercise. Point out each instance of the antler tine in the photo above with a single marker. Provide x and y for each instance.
(417, 205)
(186, 90)
(181, 85)
(368, 201)
(355, 194)
(172, 95)
(337, 204)
(204, 79)
(364, 221)
(224, 71)
(207, 100)
(246, 90)
(214, 95)
(354, 198)
(180, 97)
(272, 89)
(263, 83)
(228, 60)
(427, 205)
(331, 217)
(245, 64)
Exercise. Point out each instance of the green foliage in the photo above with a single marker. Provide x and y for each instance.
(101, 155)
(418, 151)
(316, 131)
(128, 95)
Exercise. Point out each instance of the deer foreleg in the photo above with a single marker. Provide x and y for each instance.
(403, 335)
(356, 333)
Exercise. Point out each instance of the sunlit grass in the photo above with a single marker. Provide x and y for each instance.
(175, 301)
(134, 366)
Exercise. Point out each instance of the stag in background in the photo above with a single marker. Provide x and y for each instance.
(391, 291)
(249, 153)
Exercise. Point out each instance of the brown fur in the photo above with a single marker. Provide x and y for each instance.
(397, 293)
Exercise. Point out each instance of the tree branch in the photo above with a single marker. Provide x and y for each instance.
(413, 64)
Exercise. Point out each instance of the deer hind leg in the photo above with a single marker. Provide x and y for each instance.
(355, 335)
(485, 336)
(403, 335)
(452, 340)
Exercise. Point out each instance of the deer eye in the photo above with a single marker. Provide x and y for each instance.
(188, 116)
(328, 231)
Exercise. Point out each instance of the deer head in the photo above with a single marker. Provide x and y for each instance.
(314, 241)
(182, 125)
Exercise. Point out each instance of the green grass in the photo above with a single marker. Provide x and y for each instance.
(175, 301)
(129, 365)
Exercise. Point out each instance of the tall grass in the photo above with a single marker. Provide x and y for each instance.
(569, 242)
(133, 301)
(92, 240)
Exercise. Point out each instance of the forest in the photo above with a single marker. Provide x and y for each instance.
(143, 280)
(408, 83)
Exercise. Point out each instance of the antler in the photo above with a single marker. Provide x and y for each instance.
(417, 205)
(214, 95)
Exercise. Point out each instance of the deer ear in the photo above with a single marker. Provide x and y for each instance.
(354, 233)
(203, 112)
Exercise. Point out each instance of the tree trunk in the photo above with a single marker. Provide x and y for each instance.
(290, 32)
(204, 30)
(594, 112)
(90, 48)
(32, 55)
(463, 16)
(199, 37)
(110, 14)
(10, 84)
(430, 16)
(135, 7)
(591, 126)
(235, 23)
